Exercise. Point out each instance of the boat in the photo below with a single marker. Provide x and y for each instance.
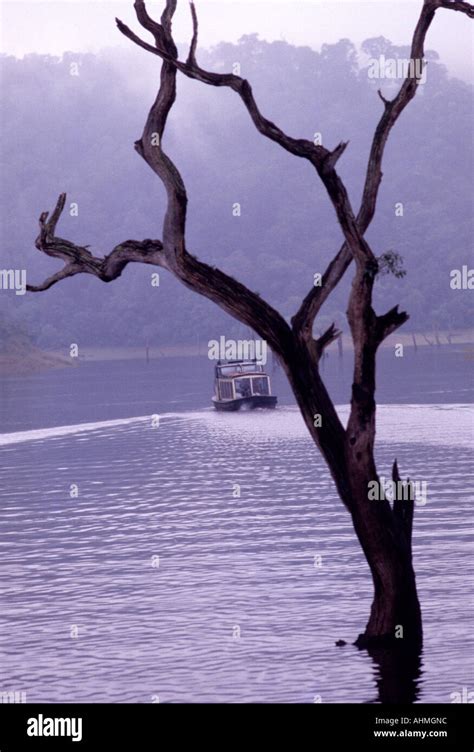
(241, 384)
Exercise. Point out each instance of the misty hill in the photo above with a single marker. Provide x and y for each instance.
(75, 133)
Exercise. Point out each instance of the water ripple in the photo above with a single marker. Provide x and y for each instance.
(236, 607)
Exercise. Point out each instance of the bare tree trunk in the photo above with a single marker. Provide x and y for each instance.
(395, 614)
(384, 532)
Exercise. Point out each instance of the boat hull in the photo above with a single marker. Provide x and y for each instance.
(245, 403)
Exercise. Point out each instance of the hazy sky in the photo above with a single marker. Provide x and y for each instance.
(76, 25)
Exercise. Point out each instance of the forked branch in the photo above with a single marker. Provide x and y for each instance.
(304, 318)
(231, 295)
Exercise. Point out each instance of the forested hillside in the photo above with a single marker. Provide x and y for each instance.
(75, 133)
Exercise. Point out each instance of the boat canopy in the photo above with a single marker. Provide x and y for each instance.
(234, 368)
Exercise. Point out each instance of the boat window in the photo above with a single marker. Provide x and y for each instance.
(225, 390)
(242, 388)
(260, 385)
(251, 368)
(225, 370)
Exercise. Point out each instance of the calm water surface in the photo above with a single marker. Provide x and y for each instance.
(234, 609)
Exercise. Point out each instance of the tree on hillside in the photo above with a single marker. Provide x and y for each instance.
(383, 529)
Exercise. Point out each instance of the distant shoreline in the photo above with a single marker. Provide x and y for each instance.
(460, 337)
(31, 360)
(34, 360)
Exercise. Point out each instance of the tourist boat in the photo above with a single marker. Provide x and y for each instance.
(241, 384)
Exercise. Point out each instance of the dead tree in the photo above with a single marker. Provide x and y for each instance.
(383, 530)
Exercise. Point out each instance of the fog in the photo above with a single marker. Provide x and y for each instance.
(37, 26)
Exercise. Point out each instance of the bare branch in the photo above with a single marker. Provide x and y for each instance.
(322, 159)
(231, 295)
(304, 318)
(146, 21)
(157, 30)
(333, 156)
(330, 335)
(167, 16)
(466, 8)
(192, 50)
(79, 260)
(133, 37)
(67, 271)
(299, 147)
(403, 504)
(48, 227)
(389, 322)
(387, 102)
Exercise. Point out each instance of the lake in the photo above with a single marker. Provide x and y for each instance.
(208, 558)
